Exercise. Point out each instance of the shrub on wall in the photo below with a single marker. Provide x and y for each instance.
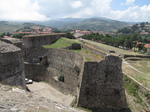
(61, 78)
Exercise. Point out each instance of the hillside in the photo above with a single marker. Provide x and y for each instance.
(6, 26)
(58, 23)
(97, 24)
(141, 28)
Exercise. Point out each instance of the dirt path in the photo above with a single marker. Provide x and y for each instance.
(47, 91)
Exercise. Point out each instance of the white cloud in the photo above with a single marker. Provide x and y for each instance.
(45, 9)
(135, 13)
(23, 10)
(76, 4)
(129, 2)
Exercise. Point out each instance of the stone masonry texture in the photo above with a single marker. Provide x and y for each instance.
(11, 65)
(102, 85)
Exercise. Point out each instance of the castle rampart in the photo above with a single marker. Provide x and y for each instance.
(11, 65)
(96, 85)
(60, 62)
(102, 85)
(33, 41)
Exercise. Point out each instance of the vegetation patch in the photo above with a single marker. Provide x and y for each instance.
(88, 59)
(138, 72)
(58, 44)
(61, 78)
(132, 88)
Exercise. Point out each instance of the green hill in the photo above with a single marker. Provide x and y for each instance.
(6, 26)
(97, 24)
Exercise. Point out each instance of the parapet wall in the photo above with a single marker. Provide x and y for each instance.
(33, 41)
(14, 41)
(11, 65)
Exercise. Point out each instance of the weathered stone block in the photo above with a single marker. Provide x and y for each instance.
(11, 65)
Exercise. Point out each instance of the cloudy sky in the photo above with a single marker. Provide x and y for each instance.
(40, 10)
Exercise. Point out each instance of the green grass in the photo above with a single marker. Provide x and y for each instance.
(88, 59)
(58, 44)
(132, 88)
(79, 51)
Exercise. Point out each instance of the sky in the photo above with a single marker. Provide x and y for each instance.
(42, 10)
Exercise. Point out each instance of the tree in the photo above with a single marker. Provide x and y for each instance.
(128, 43)
(70, 36)
(8, 34)
(140, 46)
(19, 36)
(142, 25)
(134, 44)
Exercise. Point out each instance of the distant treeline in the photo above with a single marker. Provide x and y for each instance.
(124, 41)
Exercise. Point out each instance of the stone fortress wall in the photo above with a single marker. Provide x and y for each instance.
(14, 41)
(33, 41)
(11, 65)
(102, 85)
(96, 85)
(60, 62)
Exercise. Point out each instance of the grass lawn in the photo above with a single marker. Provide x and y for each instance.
(58, 44)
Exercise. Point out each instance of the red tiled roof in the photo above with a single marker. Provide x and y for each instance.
(147, 46)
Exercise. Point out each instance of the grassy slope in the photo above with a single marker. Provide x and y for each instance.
(58, 44)
(142, 65)
(136, 99)
(65, 42)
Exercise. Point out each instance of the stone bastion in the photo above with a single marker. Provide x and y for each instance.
(11, 65)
